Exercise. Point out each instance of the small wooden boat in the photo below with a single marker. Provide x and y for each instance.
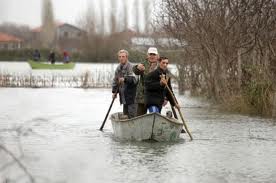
(146, 127)
(44, 65)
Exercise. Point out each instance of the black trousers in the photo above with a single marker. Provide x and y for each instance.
(130, 110)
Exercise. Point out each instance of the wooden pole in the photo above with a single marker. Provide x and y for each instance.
(175, 116)
(175, 101)
(109, 110)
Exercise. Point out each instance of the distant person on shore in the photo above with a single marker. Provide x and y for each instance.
(52, 57)
(124, 83)
(142, 70)
(66, 57)
(36, 55)
(156, 93)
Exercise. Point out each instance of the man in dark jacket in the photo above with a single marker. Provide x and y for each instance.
(36, 55)
(156, 93)
(124, 83)
(52, 57)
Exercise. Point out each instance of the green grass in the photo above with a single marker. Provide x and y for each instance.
(42, 65)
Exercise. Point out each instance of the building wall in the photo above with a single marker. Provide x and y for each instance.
(68, 32)
(10, 45)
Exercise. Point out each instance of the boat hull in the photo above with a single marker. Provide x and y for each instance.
(146, 127)
(41, 65)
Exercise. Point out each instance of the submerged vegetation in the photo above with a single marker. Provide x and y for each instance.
(51, 80)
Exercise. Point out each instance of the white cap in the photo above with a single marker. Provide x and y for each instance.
(153, 50)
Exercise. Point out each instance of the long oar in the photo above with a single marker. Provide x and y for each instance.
(175, 116)
(173, 110)
(175, 101)
(109, 109)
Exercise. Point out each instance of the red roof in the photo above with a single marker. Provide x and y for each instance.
(8, 38)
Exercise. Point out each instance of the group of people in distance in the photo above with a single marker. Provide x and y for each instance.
(51, 57)
(143, 87)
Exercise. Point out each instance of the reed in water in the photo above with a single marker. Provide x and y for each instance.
(52, 80)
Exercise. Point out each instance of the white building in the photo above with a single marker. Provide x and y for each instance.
(9, 42)
(142, 43)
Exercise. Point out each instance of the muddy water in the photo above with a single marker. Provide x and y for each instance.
(57, 133)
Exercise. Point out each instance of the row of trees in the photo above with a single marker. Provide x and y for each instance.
(21, 31)
(117, 19)
(108, 33)
(231, 50)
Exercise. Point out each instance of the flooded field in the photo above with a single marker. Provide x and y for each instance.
(55, 134)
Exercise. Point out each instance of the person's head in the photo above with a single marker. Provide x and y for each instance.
(123, 56)
(152, 54)
(163, 63)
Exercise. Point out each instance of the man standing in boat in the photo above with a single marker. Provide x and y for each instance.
(52, 57)
(142, 70)
(124, 83)
(156, 93)
(36, 55)
(66, 57)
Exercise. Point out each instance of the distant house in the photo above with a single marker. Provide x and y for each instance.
(68, 37)
(9, 42)
(142, 43)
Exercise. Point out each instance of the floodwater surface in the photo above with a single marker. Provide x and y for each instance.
(56, 132)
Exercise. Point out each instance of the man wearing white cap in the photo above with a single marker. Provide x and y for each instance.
(142, 70)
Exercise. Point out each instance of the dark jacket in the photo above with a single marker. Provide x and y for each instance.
(36, 55)
(52, 57)
(127, 90)
(155, 93)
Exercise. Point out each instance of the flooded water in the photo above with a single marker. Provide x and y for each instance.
(98, 75)
(60, 141)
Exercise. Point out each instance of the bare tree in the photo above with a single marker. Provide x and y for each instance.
(88, 21)
(125, 14)
(102, 24)
(147, 14)
(48, 24)
(227, 41)
(113, 23)
(136, 15)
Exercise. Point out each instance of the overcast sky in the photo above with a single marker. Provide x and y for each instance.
(29, 11)
(70, 11)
